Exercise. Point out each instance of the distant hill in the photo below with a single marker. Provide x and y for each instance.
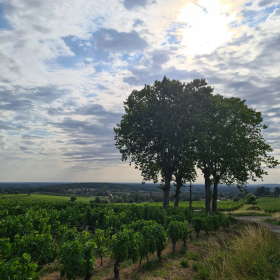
(111, 186)
(58, 187)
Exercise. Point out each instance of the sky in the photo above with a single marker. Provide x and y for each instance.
(68, 66)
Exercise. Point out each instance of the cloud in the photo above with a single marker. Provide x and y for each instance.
(264, 3)
(131, 4)
(138, 22)
(67, 67)
(114, 41)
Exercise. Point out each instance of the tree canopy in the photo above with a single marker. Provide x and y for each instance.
(170, 127)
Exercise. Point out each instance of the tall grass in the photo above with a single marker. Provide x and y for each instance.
(253, 254)
(276, 217)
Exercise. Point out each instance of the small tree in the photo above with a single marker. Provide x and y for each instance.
(73, 198)
(250, 199)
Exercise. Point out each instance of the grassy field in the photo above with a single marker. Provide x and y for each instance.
(43, 197)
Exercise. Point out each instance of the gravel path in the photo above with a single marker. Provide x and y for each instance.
(258, 219)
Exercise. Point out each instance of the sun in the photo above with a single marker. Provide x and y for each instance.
(206, 26)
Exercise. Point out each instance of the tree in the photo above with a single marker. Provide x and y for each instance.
(262, 191)
(276, 191)
(231, 147)
(73, 198)
(154, 131)
(250, 199)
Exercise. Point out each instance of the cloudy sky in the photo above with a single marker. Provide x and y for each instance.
(67, 66)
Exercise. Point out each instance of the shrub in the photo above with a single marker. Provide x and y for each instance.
(250, 199)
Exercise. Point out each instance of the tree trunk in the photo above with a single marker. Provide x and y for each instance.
(178, 190)
(88, 276)
(215, 194)
(185, 242)
(101, 259)
(140, 262)
(159, 254)
(116, 269)
(173, 247)
(207, 174)
(166, 190)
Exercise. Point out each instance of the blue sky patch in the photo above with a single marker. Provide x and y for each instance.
(4, 24)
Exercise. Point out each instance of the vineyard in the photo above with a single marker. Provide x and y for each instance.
(33, 234)
(222, 205)
(269, 205)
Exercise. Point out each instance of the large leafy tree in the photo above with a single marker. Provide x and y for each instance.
(230, 147)
(153, 133)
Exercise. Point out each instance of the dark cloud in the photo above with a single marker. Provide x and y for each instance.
(160, 56)
(3, 126)
(97, 110)
(138, 22)
(114, 41)
(146, 76)
(264, 3)
(276, 12)
(25, 136)
(29, 143)
(19, 101)
(77, 127)
(46, 94)
(17, 105)
(131, 4)
(56, 111)
(249, 13)
(241, 40)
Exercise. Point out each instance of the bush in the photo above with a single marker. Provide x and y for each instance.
(250, 199)
(73, 198)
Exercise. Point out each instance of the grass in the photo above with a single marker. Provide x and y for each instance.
(275, 219)
(253, 254)
(249, 210)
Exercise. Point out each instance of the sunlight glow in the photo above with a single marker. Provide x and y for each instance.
(206, 26)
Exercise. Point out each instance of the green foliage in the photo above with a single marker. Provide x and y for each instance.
(208, 223)
(18, 268)
(76, 258)
(250, 199)
(124, 245)
(41, 247)
(101, 239)
(176, 231)
(14, 267)
(73, 198)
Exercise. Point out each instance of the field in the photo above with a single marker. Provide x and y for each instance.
(269, 205)
(222, 205)
(43, 238)
(47, 198)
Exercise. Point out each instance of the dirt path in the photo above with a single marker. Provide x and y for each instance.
(258, 219)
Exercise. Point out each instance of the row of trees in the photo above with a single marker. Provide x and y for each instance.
(265, 191)
(170, 129)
